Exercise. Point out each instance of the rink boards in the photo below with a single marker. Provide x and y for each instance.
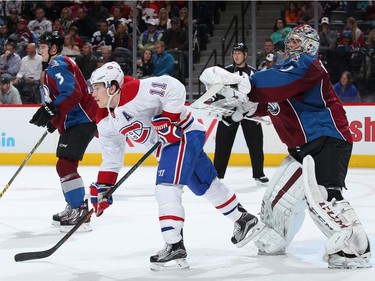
(18, 137)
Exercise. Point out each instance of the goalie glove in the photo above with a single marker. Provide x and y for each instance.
(97, 192)
(167, 132)
(43, 115)
(217, 75)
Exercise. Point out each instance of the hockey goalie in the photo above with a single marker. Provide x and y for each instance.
(310, 120)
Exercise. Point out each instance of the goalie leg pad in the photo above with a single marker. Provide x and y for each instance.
(347, 240)
(283, 207)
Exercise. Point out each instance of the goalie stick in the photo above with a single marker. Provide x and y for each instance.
(24, 162)
(46, 253)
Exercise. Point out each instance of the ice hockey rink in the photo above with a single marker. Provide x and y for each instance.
(126, 235)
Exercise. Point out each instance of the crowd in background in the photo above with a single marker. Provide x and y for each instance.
(347, 41)
(99, 31)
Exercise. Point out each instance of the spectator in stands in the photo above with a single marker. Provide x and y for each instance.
(12, 21)
(357, 34)
(10, 62)
(145, 65)
(28, 77)
(58, 27)
(40, 24)
(4, 34)
(172, 8)
(102, 37)
(98, 11)
(164, 22)
(70, 48)
(86, 26)
(176, 38)
(66, 18)
(150, 36)
(268, 48)
(292, 13)
(86, 61)
(269, 62)
(116, 19)
(370, 11)
(370, 57)
(141, 24)
(345, 89)
(327, 36)
(73, 30)
(346, 42)
(163, 61)
(100, 62)
(52, 11)
(107, 53)
(24, 37)
(307, 10)
(123, 40)
(279, 33)
(77, 5)
(8, 93)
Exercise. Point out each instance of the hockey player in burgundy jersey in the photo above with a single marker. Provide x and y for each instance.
(70, 109)
(145, 111)
(311, 121)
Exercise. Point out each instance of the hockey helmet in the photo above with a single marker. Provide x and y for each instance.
(108, 72)
(240, 47)
(52, 38)
(309, 40)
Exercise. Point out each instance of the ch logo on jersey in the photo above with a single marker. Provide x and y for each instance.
(273, 108)
(127, 116)
(136, 132)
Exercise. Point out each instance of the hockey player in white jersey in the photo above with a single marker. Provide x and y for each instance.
(145, 111)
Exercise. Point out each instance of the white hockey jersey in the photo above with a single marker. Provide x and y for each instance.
(140, 101)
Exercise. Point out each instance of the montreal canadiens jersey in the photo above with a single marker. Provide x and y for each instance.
(140, 101)
(65, 86)
(299, 98)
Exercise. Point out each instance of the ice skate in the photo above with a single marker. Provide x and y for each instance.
(281, 252)
(342, 260)
(245, 229)
(74, 217)
(63, 215)
(171, 252)
(261, 181)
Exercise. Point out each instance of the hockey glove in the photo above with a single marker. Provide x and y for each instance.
(167, 132)
(44, 115)
(50, 127)
(99, 202)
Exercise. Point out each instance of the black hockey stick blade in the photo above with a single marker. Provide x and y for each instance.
(46, 253)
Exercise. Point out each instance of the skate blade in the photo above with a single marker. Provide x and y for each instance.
(352, 266)
(177, 264)
(281, 252)
(83, 228)
(55, 223)
(253, 232)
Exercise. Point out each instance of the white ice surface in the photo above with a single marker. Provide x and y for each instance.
(127, 234)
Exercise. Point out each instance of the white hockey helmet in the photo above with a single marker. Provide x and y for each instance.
(110, 71)
(309, 40)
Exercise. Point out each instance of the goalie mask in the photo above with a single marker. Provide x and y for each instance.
(308, 38)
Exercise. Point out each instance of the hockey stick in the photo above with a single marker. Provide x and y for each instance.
(24, 163)
(199, 103)
(46, 253)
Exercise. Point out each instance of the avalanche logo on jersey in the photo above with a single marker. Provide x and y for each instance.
(127, 116)
(136, 132)
(54, 63)
(273, 108)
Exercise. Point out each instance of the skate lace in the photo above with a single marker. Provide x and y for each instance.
(66, 211)
(165, 251)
